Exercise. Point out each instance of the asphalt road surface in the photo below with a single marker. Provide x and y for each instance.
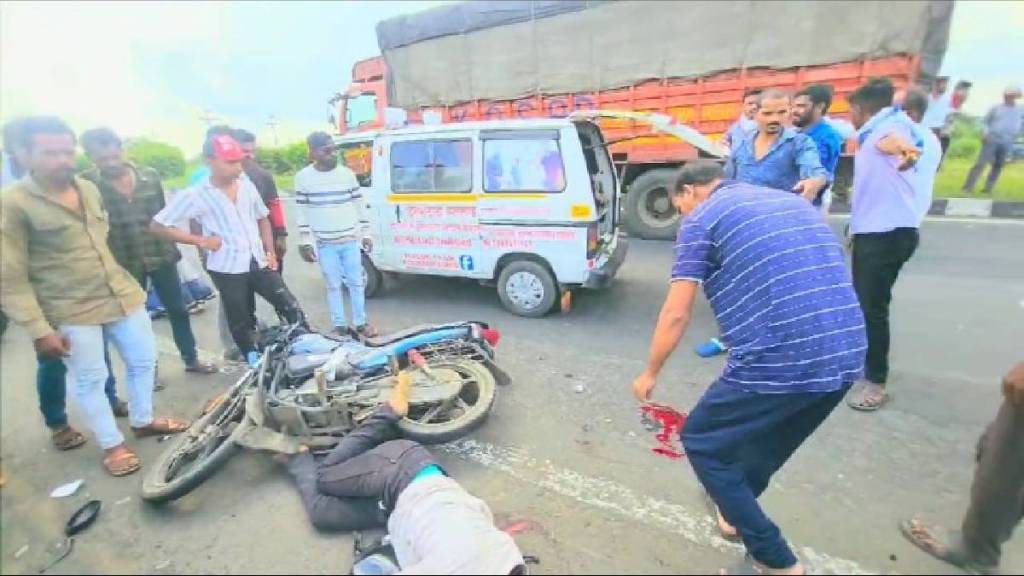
(564, 456)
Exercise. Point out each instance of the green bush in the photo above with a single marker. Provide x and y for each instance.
(82, 162)
(964, 148)
(272, 159)
(167, 160)
(965, 142)
(284, 159)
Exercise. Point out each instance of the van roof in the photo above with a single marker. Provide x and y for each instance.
(517, 124)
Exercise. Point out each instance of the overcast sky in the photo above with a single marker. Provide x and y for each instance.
(152, 68)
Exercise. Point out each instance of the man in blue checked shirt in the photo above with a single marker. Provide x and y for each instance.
(776, 156)
(777, 281)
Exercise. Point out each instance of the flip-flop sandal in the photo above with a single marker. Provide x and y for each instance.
(860, 405)
(160, 427)
(202, 368)
(713, 511)
(123, 464)
(935, 542)
(67, 438)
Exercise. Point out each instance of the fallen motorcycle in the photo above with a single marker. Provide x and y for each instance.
(310, 389)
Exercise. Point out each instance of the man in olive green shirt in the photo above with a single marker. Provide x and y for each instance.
(60, 281)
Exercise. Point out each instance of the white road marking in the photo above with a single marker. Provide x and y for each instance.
(612, 496)
(593, 491)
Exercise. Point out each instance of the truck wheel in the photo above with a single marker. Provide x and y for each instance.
(372, 278)
(527, 289)
(649, 210)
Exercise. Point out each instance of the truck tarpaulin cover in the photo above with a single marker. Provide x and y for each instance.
(507, 50)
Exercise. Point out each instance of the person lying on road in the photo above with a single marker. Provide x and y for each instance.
(436, 526)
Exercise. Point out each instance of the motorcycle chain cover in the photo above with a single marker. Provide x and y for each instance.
(443, 384)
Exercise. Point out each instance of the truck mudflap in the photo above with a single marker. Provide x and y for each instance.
(602, 275)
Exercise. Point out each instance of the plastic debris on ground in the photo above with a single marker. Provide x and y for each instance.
(65, 490)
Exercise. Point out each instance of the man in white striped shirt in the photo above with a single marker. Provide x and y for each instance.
(237, 237)
(331, 214)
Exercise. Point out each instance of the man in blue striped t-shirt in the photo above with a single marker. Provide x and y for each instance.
(777, 282)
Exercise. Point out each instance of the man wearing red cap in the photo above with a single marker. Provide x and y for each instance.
(237, 237)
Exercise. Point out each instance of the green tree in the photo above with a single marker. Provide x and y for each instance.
(166, 159)
(283, 160)
(297, 155)
(272, 159)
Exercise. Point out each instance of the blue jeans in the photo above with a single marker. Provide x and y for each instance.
(737, 440)
(51, 386)
(133, 337)
(343, 262)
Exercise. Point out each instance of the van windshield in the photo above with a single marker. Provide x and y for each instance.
(360, 111)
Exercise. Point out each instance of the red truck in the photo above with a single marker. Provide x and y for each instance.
(502, 60)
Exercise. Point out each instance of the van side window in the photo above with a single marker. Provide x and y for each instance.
(432, 166)
(358, 157)
(521, 165)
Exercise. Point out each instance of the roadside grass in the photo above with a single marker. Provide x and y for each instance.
(950, 181)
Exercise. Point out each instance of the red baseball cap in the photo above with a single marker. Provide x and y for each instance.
(223, 147)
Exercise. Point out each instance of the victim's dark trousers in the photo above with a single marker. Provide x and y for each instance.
(877, 260)
(236, 293)
(357, 485)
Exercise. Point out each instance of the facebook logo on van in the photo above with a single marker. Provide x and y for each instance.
(466, 262)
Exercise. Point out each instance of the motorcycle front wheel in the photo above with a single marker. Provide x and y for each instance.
(194, 455)
(452, 418)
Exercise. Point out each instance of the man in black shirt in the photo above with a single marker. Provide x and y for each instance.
(265, 185)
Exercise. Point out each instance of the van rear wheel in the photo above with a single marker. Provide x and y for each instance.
(527, 289)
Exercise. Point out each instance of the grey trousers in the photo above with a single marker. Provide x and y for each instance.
(997, 494)
(994, 153)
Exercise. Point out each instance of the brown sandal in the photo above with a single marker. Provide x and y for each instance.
(67, 438)
(122, 463)
(161, 426)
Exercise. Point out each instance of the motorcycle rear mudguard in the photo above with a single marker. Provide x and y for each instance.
(500, 376)
(388, 339)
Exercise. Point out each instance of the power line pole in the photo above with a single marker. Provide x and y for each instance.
(207, 117)
(272, 123)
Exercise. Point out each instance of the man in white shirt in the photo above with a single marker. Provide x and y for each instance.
(922, 175)
(237, 237)
(331, 214)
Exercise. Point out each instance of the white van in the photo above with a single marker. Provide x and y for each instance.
(528, 205)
